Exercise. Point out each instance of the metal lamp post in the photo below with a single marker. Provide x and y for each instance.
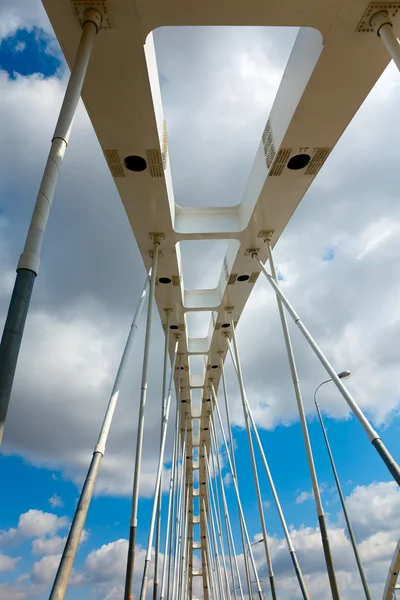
(260, 541)
(342, 375)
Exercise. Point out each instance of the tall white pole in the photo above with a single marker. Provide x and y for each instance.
(211, 532)
(253, 564)
(373, 437)
(226, 511)
(171, 553)
(170, 511)
(157, 487)
(139, 439)
(183, 561)
(28, 265)
(164, 399)
(285, 528)
(342, 501)
(216, 529)
(218, 524)
(384, 29)
(178, 519)
(232, 447)
(253, 461)
(71, 546)
(307, 444)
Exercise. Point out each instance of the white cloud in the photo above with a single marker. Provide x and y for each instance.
(44, 570)
(303, 496)
(34, 523)
(227, 479)
(8, 593)
(20, 47)
(8, 563)
(108, 563)
(52, 545)
(18, 14)
(56, 501)
(375, 508)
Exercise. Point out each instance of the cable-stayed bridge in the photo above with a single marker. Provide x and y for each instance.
(341, 50)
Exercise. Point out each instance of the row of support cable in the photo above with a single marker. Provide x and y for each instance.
(220, 560)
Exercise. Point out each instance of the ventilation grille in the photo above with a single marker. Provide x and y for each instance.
(232, 278)
(320, 156)
(268, 144)
(253, 277)
(165, 145)
(175, 280)
(155, 163)
(281, 159)
(114, 163)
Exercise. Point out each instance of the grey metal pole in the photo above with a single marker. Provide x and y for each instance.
(157, 487)
(211, 569)
(228, 419)
(139, 439)
(180, 502)
(210, 527)
(28, 265)
(253, 564)
(373, 437)
(253, 461)
(181, 536)
(71, 546)
(229, 527)
(226, 518)
(170, 510)
(342, 500)
(164, 398)
(216, 527)
(184, 550)
(226, 514)
(285, 528)
(384, 29)
(174, 507)
(313, 474)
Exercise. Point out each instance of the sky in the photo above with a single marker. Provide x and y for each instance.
(338, 264)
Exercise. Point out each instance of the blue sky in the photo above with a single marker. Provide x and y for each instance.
(342, 276)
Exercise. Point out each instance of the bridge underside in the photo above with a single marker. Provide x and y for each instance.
(336, 60)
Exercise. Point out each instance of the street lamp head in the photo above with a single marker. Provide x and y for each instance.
(344, 374)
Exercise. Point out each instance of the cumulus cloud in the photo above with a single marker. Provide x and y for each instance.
(108, 563)
(44, 570)
(52, 545)
(34, 523)
(303, 496)
(56, 501)
(375, 508)
(8, 563)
